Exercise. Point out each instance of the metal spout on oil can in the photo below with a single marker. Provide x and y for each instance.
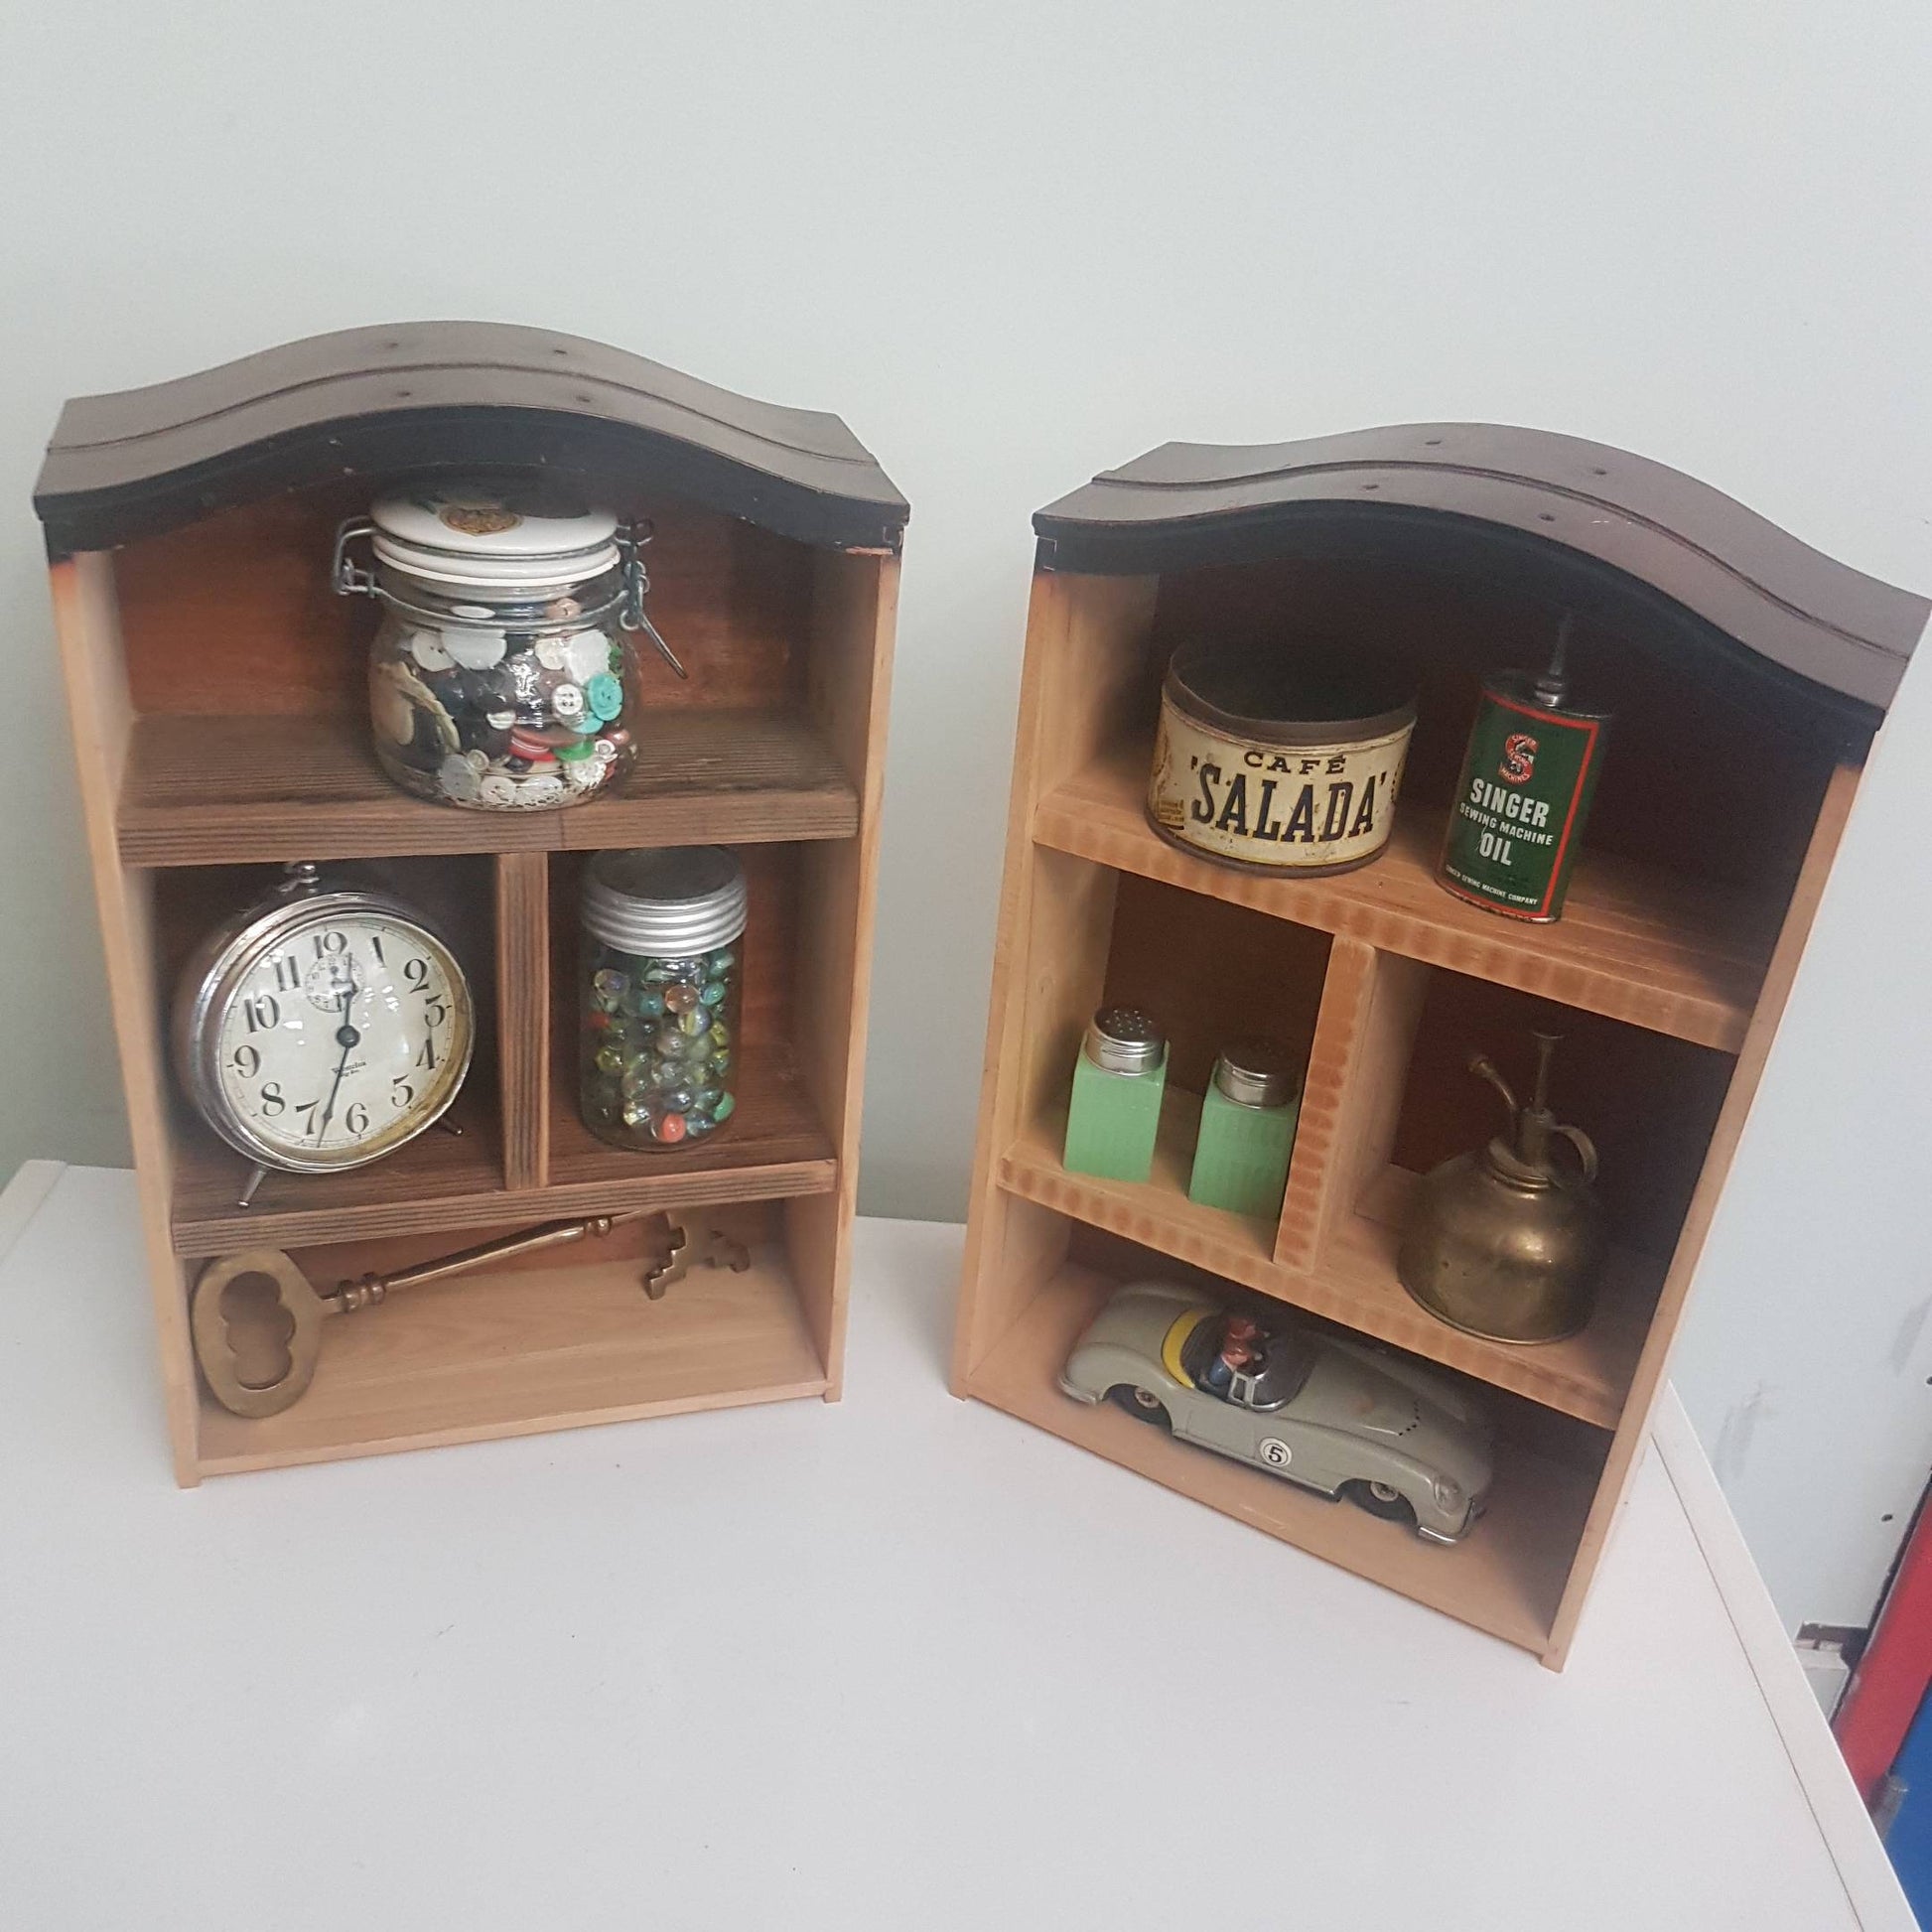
(1552, 684)
(1507, 1241)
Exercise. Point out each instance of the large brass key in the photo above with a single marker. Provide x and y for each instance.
(287, 1312)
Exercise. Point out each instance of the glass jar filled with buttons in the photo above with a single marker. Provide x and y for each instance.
(501, 675)
(659, 984)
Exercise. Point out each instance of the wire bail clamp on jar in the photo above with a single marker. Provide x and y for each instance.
(350, 579)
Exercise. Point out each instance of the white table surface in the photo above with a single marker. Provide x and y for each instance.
(897, 1662)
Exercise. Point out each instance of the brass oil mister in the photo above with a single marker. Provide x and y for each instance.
(1503, 1241)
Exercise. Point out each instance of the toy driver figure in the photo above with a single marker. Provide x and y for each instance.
(1240, 1350)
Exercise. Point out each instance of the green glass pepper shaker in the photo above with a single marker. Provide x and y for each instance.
(1118, 1083)
(1247, 1129)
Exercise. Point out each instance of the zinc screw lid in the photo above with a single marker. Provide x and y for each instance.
(668, 901)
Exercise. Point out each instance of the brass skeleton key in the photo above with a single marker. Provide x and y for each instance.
(290, 1318)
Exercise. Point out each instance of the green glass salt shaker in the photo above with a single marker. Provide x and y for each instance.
(1247, 1129)
(1118, 1083)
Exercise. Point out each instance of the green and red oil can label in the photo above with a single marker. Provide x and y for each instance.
(1517, 822)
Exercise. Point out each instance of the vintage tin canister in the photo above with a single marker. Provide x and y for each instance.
(1527, 782)
(1282, 760)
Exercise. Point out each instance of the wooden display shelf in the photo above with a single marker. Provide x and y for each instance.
(217, 690)
(1507, 1577)
(779, 1150)
(1746, 675)
(221, 790)
(1588, 1376)
(1680, 955)
(513, 1353)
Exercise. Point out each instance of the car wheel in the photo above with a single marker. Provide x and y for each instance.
(1143, 1405)
(1380, 1500)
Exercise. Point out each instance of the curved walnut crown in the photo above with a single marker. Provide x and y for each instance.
(450, 395)
(1613, 536)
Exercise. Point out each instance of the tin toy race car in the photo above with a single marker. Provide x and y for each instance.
(1337, 1415)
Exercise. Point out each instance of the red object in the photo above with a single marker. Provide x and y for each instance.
(525, 744)
(670, 1127)
(1891, 1680)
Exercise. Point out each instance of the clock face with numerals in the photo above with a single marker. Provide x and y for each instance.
(327, 1033)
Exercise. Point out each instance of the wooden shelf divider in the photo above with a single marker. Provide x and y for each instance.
(1588, 1376)
(775, 1150)
(524, 1014)
(1681, 956)
(223, 790)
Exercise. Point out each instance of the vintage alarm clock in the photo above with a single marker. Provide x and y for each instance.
(323, 1027)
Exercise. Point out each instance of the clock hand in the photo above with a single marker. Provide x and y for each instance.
(349, 1039)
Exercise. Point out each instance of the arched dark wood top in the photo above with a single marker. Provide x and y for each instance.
(1609, 534)
(450, 395)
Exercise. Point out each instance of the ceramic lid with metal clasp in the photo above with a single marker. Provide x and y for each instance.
(533, 537)
(502, 541)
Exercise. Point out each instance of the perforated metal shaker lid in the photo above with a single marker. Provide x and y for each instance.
(667, 900)
(1122, 1040)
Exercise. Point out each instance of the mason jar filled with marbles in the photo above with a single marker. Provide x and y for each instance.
(501, 675)
(659, 995)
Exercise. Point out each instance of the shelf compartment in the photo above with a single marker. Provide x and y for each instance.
(528, 1349)
(1507, 1577)
(1676, 955)
(438, 1181)
(773, 1137)
(209, 791)
(1586, 1377)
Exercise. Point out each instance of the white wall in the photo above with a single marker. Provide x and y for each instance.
(1012, 244)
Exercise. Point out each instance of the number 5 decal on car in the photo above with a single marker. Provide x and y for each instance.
(1273, 1451)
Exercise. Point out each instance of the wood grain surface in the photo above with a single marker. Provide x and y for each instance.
(523, 1006)
(210, 790)
(1354, 1280)
(1506, 1579)
(514, 1352)
(775, 1148)
(1679, 955)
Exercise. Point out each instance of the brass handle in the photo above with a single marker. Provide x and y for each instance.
(373, 1288)
(257, 1329)
(256, 1318)
(1586, 1147)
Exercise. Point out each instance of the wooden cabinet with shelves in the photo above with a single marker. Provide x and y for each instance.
(1746, 675)
(218, 701)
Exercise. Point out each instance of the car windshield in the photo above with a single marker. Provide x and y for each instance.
(1287, 1367)
(1277, 1363)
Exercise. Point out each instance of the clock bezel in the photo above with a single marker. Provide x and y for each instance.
(213, 980)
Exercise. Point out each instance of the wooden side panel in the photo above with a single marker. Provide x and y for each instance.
(848, 690)
(1352, 1095)
(87, 620)
(1755, 1051)
(1087, 639)
(524, 1014)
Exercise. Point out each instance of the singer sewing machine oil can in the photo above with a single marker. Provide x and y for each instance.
(1528, 777)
